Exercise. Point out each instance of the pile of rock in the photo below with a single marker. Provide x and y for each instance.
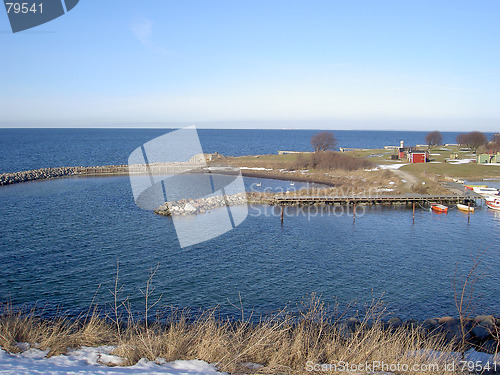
(49, 173)
(37, 174)
(483, 331)
(201, 205)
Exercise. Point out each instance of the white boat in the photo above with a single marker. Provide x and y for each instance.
(464, 207)
(485, 191)
(493, 203)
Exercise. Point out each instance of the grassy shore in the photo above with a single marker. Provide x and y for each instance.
(425, 178)
(283, 343)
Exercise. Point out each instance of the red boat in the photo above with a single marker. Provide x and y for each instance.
(493, 203)
(440, 208)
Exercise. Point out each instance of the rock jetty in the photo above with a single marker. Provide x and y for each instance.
(201, 205)
(50, 173)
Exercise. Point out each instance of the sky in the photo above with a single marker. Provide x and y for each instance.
(404, 65)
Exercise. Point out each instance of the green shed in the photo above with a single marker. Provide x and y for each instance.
(488, 158)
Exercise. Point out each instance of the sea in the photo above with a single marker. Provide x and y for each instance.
(64, 241)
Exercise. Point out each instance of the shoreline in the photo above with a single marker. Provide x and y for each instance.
(283, 339)
(45, 174)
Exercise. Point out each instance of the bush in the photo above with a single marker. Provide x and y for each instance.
(419, 189)
(330, 160)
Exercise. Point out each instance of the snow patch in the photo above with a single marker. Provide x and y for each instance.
(463, 161)
(391, 166)
(87, 361)
(257, 168)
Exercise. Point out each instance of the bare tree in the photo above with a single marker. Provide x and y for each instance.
(496, 139)
(473, 140)
(476, 139)
(461, 139)
(433, 138)
(323, 141)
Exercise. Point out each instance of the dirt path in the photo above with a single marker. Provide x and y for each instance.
(406, 176)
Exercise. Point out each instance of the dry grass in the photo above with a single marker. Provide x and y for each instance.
(282, 343)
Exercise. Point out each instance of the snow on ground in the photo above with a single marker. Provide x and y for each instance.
(391, 166)
(87, 361)
(463, 161)
(257, 168)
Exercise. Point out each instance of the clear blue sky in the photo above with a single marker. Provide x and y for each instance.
(308, 64)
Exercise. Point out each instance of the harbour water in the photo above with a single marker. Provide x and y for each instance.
(61, 240)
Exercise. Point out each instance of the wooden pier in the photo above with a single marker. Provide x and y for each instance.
(372, 200)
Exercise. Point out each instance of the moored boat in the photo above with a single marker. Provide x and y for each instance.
(440, 208)
(486, 191)
(493, 203)
(474, 187)
(463, 207)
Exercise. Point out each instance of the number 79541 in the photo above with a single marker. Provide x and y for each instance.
(24, 8)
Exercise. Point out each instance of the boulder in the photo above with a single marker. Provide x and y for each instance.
(482, 331)
(430, 323)
(395, 322)
(352, 324)
(189, 208)
(487, 319)
(445, 319)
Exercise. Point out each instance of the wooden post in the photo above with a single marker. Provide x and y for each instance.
(468, 212)
(413, 212)
(282, 211)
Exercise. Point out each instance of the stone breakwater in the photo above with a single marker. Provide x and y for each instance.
(202, 205)
(50, 173)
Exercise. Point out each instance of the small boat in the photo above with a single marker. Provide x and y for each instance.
(259, 184)
(473, 187)
(440, 208)
(493, 203)
(464, 207)
(292, 183)
(486, 191)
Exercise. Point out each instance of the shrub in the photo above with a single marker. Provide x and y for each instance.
(328, 160)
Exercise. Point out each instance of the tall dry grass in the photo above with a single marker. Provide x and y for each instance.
(283, 343)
